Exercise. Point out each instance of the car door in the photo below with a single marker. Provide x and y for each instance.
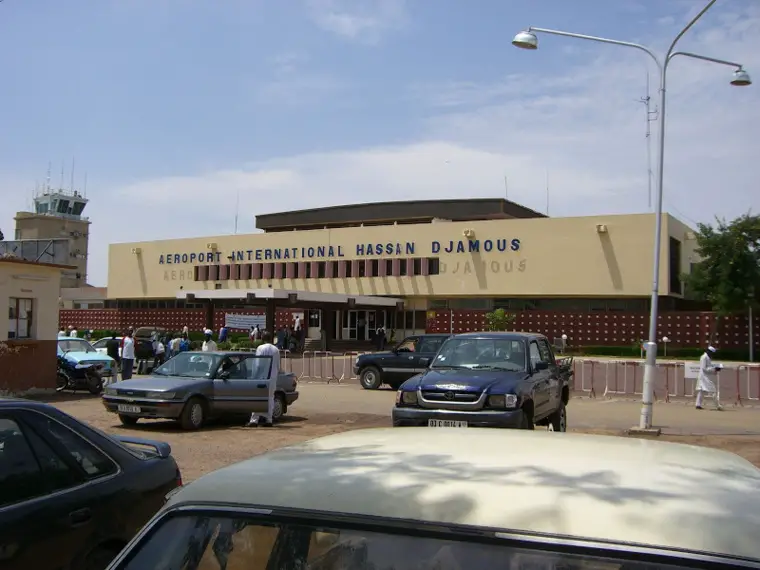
(244, 384)
(540, 380)
(547, 355)
(402, 362)
(48, 513)
(428, 348)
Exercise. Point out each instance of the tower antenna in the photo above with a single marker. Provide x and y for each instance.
(237, 210)
(73, 165)
(506, 188)
(651, 115)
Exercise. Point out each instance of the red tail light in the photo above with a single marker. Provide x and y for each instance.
(179, 478)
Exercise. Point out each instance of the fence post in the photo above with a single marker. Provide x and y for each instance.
(306, 364)
(284, 358)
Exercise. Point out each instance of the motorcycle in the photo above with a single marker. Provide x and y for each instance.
(87, 376)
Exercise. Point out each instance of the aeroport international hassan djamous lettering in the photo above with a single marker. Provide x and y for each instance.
(502, 245)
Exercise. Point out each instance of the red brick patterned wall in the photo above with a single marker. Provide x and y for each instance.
(684, 329)
(174, 319)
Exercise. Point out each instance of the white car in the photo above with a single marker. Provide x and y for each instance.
(100, 345)
(469, 499)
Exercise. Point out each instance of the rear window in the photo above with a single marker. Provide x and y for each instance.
(212, 542)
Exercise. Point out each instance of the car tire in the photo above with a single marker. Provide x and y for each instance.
(280, 408)
(558, 419)
(193, 414)
(127, 420)
(370, 378)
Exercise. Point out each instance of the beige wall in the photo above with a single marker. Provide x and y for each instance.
(27, 281)
(34, 226)
(557, 257)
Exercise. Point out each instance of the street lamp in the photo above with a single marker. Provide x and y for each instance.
(528, 39)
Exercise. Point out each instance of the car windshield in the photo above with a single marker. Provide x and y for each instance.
(193, 541)
(482, 354)
(208, 365)
(75, 345)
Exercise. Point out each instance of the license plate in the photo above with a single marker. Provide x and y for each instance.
(446, 423)
(129, 409)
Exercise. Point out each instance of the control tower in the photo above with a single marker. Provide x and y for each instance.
(58, 215)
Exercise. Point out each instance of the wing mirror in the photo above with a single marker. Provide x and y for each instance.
(425, 361)
(540, 365)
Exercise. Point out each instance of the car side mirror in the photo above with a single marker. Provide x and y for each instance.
(425, 361)
(540, 365)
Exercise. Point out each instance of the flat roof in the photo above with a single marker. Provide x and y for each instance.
(597, 488)
(285, 295)
(407, 212)
(21, 261)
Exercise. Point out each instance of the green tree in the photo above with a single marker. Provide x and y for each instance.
(499, 320)
(728, 274)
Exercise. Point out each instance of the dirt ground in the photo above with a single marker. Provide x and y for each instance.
(219, 445)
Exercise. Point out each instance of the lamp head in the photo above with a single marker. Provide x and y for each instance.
(741, 78)
(525, 40)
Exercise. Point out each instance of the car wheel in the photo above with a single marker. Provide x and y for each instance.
(127, 420)
(370, 378)
(558, 420)
(193, 414)
(280, 407)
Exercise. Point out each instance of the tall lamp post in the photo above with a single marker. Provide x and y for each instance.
(528, 39)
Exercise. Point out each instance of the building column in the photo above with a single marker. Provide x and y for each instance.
(271, 313)
(208, 308)
(328, 327)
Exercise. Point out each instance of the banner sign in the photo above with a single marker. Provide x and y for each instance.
(691, 370)
(244, 322)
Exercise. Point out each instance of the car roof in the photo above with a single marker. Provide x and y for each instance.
(23, 402)
(500, 334)
(576, 485)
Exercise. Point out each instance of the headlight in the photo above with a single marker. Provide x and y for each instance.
(406, 398)
(507, 401)
(356, 362)
(160, 395)
(110, 392)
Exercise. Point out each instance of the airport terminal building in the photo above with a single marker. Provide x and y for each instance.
(409, 266)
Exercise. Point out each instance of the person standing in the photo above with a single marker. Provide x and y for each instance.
(159, 353)
(127, 356)
(208, 343)
(112, 349)
(268, 349)
(708, 379)
(223, 334)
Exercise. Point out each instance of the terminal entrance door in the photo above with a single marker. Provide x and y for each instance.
(359, 325)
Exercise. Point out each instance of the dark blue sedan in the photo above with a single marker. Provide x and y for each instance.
(491, 379)
(70, 495)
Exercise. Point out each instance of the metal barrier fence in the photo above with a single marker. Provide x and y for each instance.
(604, 378)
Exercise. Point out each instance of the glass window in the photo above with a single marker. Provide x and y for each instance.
(409, 320)
(201, 542)
(20, 317)
(544, 350)
(74, 345)
(91, 460)
(190, 365)
(408, 345)
(535, 354)
(247, 367)
(20, 473)
(430, 345)
(58, 474)
(482, 353)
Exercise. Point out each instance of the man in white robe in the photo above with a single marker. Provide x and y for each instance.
(268, 349)
(707, 380)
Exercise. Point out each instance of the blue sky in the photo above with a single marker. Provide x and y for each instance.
(173, 108)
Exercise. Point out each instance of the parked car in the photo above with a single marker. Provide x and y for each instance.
(490, 379)
(463, 499)
(101, 345)
(76, 355)
(194, 387)
(70, 495)
(411, 356)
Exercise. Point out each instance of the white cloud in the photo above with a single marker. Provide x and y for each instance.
(584, 126)
(364, 21)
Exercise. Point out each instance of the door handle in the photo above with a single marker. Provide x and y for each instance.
(261, 385)
(411, 358)
(80, 517)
